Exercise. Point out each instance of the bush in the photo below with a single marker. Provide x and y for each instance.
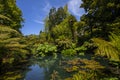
(68, 52)
(73, 51)
(64, 43)
(46, 49)
(81, 50)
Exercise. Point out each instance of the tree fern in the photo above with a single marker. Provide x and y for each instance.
(9, 31)
(10, 46)
(105, 48)
(115, 40)
(4, 17)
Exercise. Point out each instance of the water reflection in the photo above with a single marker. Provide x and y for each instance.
(47, 68)
(40, 69)
(36, 73)
(32, 70)
(14, 71)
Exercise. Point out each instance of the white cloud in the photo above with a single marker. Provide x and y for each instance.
(38, 21)
(47, 7)
(45, 10)
(74, 7)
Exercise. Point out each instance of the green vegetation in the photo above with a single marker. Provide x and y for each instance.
(46, 50)
(12, 48)
(96, 35)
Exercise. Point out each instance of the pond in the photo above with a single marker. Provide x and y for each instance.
(35, 69)
(36, 73)
(50, 68)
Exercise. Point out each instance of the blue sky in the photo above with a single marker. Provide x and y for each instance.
(35, 11)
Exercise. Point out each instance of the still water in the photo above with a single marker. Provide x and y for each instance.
(48, 69)
(32, 70)
(36, 73)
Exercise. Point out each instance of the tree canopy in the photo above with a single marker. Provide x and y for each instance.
(9, 9)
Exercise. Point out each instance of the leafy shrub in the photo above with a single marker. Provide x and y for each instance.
(64, 43)
(74, 51)
(68, 52)
(81, 50)
(46, 49)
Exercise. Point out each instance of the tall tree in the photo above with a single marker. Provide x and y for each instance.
(66, 28)
(9, 9)
(11, 43)
(71, 21)
(102, 14)
(55, 17)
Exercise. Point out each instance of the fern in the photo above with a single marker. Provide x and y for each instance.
(115, 40)
(10, 46)
(106, 48)
(4, 17)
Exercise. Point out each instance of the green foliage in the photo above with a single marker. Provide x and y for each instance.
(115, 26)
(102, 16)
(111, 78)
(73, 50)
(10, 45)
(42, 36)
(79, 28)
(71, 20)
(32, 42)
(85, 76)
(55, 17)
(68, 52)
(12, 14)
(45, 50)
(4, 18)
(63, 43)
(62, 30)
(105, 48)
(81, 50)
(12, 76)
(114, 40)
(68, 48)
